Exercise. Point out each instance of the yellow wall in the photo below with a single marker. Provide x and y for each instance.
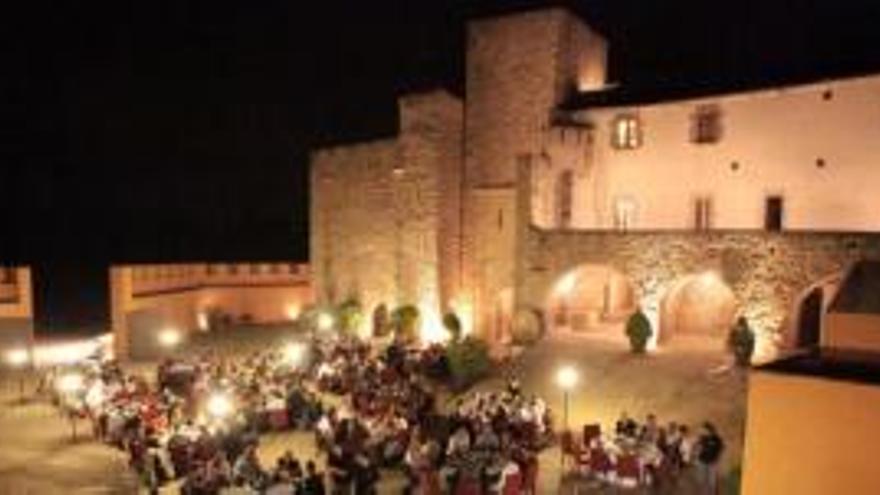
(16, 298)
(811, 436)
(180, 295)
(852, 331)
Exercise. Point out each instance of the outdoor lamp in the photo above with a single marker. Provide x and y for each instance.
(169, 338)
(219, 406)
(325, 321)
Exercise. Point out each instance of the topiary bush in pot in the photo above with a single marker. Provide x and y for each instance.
(404, 322)
(452, 324)
(468, 361)
(741, 342)
(639, 332)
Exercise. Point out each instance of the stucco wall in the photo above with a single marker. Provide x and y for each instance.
(805, 143)
(852, 331)
(16, 308)
(810, 436)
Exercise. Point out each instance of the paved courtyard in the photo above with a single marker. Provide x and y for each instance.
(684, 384)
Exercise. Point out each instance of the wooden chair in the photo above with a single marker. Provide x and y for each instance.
(629, 471)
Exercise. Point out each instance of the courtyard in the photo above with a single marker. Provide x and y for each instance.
(688, 383)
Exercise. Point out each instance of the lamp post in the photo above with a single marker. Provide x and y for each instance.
(566, 378)
(70, 385)
(17, 359)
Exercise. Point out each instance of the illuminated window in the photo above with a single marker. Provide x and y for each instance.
(626, 132)
(564, 195)
(706, 125)
(703, 213)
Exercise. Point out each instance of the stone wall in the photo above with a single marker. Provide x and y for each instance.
(386, 214)
(766, 271)
(16, 308)
(519, 67)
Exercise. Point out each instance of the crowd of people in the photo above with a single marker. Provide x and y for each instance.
(647, 453)
(200, 421)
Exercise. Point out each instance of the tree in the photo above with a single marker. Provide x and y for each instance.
(350, 316)
(741, 342)
(453, 325)
(638, 330)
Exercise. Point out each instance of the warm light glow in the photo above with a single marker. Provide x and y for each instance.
(17, 357)
(566, 284)
(66, 353)
(70, 383)
(567, 377)
(431, 330)
(294, 353)
(292, 311)
(202, 321)
(325, 321)
(169, 337)
(219, 406)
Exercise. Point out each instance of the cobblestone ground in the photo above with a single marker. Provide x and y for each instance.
(682, 384)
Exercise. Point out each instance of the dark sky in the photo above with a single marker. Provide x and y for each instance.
(173, 130)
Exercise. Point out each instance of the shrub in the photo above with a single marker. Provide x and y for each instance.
(404, 320)
(527, 327)
(468, 361)
(452, 323)
(350, 316)
(638, 331)
(741, 342)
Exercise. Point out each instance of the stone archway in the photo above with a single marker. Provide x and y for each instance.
(698, 305)
(590, 299)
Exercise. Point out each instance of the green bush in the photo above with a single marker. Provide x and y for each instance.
(638, 331)
(349, 316)
(527, 327)
(741, 342)
(468, 361)
(452, 324)
(404, 321)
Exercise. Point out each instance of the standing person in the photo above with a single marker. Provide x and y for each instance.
(710, 446)
(314, 482)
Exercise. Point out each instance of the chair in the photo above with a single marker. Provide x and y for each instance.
(512, 484)
(569, 447)
(629, 471)
(591, 432)
(600, 464)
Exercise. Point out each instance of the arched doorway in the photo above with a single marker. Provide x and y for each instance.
(700, 305)
(590, 299)
(809, 328)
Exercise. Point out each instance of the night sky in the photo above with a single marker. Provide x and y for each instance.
(154, 130)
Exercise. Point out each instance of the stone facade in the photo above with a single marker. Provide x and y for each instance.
(481, 206)
(16, 308)
(385, 214)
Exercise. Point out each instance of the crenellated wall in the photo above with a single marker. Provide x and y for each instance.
(146, 299)
(16, 307)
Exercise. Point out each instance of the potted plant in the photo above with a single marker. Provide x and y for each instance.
(469, 361)
(638, 331)
(350, 316)
(741, 342)
(404, 320)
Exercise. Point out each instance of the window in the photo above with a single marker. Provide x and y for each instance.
(564, 194)
(626, 132)
(703, 213)
(706, 125)
(773, 213)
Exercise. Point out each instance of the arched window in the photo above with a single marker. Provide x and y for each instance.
(564, 198)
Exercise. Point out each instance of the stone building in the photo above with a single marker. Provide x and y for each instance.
(548, 191)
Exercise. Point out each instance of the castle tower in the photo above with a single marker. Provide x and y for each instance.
(519, 68)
